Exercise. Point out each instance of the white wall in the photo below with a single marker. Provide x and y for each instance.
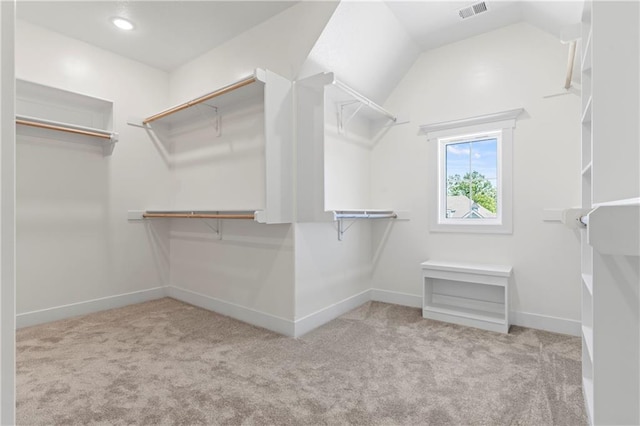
(251, 268)
(7, 214)
(365, 46)
(347, 160)
(280, 44)
(74, 243)
(225, 172)
(250, 265)
(329, 271)
(508, 68)
(333, 174)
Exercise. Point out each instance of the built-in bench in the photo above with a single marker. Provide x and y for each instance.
(475, 295)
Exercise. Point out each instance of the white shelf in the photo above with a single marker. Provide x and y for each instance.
(475, 295)
(587, 279)
(586, 254)
(213, 103)
(587, 334)
(586, 57)
(66, 127)
(472, 268)
(363, 214)
(341, 215)
(610, 245)
(342, 94)
(587, 175)
(586, 115)
(626, 202)
(467, 313)
(193, 214)
(52, 103)
(79, 117)
(615, 229)
(248, 117)
(339, 127)
(586, 146)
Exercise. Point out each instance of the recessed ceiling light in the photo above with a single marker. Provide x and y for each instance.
(122, 23)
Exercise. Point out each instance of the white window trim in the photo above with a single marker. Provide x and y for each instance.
(503, 122)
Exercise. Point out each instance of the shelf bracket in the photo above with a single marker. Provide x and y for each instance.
(107, 148)
(217, 230)
(215, 120)
(343, 118)
(340, 215)
(342, 229)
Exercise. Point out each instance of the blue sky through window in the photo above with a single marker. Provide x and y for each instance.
(478, 155)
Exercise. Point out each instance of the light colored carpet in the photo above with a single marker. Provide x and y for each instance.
(166, 362)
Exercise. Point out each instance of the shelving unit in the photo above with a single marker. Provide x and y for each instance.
(350, 104)
(338, 127)
(140, 215)
(475, 295)
(81, 117)
(587, 334)
(190, 214)
(341, 215)
(65, 127)
(610, 193)
(255, 109)
(586, 201)
(587, 281)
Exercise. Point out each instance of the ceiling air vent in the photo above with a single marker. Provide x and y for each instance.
(474, 9)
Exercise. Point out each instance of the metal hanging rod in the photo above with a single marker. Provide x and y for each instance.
(198, 215)
(201, 99)
(340, 215)
(364, 214)
(65, 127)
(366, 101)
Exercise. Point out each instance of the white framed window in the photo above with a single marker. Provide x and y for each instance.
(471, 179)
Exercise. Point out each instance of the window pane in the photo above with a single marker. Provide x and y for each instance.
(457, 167)
(472, 171)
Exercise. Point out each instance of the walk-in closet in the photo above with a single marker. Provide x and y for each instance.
(320, 212)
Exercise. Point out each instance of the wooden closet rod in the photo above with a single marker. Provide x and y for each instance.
(50, 126)
(199, 215)
(201, 99)
(572, 57)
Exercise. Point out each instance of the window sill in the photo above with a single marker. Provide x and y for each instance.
(472, 229)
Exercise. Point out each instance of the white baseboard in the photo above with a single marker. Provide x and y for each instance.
(88, 307)
(241, 313)
(523, 319)
(323, 316)
(396, 298)
(279, 325)
(547, 323)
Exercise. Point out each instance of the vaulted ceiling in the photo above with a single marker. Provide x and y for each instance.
(436, 23)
